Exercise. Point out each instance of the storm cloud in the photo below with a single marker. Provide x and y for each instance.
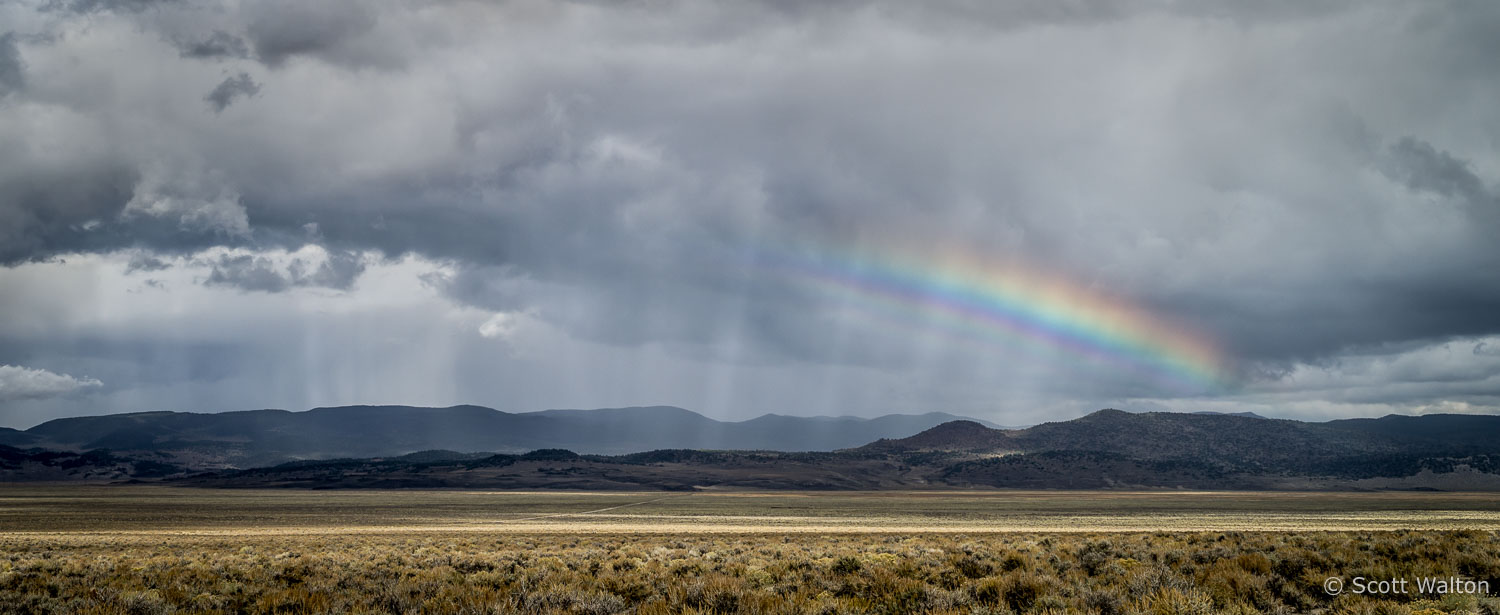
(216, 45)
(308, 267)
(230, 89)
(596, 189)
(12, 73)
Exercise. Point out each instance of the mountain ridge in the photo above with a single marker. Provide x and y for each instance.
(1098, 451)
(251, 438)
(1108, 449)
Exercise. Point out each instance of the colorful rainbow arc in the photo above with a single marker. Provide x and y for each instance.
(1013, 304)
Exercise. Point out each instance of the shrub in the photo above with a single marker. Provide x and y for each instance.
(847, 565)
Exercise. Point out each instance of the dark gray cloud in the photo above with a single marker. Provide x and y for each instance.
(1423, 168)
(92, 6)
(336, 270)
(282, 29)
(249, 273)
(146, 262)
(46, 208)
(217, 45)
(230, 89)
(12, 71)
(1397, 291)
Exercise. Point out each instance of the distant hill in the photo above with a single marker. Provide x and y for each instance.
(953, 436)
(17, 465)
(14, 437)
(1222, 438)
(266, 437)
(1112, 447)
(1108, 449)
(1105, 450)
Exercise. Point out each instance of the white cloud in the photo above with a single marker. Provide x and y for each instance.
(501, 325)
(17, 382)
(196, 204)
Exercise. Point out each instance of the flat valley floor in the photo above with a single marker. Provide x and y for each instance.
(153, 549)
(72, 510)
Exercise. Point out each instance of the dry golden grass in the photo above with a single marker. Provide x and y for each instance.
(191, 551)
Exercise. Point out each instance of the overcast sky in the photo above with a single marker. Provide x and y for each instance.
(210, 206)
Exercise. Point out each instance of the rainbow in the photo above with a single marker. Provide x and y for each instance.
(1021, 307)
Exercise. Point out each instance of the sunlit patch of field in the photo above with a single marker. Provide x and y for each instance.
(72, 549)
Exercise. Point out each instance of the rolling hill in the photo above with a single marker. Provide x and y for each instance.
(1112, 448)
(1106, 449)
(267, 437)
(1220, 438)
